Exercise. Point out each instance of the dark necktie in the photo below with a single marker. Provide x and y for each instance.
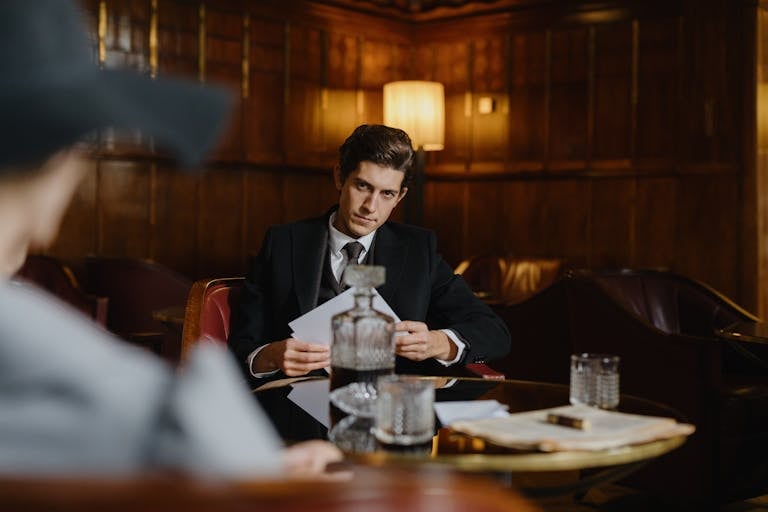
(352, 250)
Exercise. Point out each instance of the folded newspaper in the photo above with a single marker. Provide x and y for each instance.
(599, 429)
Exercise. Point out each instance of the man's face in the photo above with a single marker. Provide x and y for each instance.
(367, 198)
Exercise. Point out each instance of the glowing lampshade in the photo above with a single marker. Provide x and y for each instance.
(418, 108)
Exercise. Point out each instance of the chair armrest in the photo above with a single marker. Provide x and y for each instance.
(485, 371)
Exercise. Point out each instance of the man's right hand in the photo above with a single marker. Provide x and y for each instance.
(294, 357)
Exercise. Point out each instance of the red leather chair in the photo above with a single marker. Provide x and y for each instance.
(56, 277)
(208, 309)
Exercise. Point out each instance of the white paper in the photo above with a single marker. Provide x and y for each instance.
(449, 412)
(313, 397)
(315, 326)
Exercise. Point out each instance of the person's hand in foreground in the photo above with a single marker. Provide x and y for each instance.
(310, 459)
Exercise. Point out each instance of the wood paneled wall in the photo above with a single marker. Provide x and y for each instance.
(616, 139)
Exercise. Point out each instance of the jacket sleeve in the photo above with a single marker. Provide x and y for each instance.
(454, 306)
(250, 321)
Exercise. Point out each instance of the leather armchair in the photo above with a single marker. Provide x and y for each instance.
(208, 310)
(136, 289)
(56, 277)
(508, 279)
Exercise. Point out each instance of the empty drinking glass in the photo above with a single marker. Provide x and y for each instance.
(595, 380)
(405, 418)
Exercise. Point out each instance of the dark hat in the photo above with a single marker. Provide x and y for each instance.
(52, 93)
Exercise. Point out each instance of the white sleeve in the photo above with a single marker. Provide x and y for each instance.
(250, 359)
(460, 345)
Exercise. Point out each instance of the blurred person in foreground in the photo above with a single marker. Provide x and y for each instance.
(74, 400)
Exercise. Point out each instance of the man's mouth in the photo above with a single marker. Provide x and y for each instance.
(363, 220)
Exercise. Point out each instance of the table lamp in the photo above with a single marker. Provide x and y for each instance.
(418, 107)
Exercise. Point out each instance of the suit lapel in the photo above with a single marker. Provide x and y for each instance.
(310, 244)
(391, 253)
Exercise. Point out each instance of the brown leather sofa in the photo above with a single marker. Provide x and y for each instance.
(508, 279)
(663, 326)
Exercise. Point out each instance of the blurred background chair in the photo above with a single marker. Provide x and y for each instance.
(508, 279)
(137, 289)
(664, 327)
(57, 278)
(208, 310)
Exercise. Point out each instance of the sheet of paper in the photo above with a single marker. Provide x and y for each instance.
(315, 326)
(312, 396)
(449, 412)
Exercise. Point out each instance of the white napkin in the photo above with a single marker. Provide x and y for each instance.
(448, 412)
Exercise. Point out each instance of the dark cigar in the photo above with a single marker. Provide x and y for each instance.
(568, 421)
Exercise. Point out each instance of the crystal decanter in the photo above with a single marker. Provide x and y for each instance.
(363, 344)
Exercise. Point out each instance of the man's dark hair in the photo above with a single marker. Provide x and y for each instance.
(382, 145)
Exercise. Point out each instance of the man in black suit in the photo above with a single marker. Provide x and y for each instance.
(299, 267)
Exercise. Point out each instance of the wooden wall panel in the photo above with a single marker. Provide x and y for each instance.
(569, 100)
(615, 140)
(263, 107)
(78, 230)
(613, 112)
(522, 233)
(307, 195)
(175, 220)
(611, 226)
(222, 214)
(565, 220)
(444, 213)
(528, 103)
(223, 66)
(177, 34)
(127, 35)
(123, 208)
(484, 223)
(706, 236)
(658, 92)
(655, 226)
(304, 133)
(264, 207)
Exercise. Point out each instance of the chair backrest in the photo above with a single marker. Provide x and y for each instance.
(208, 310)
(57, 277)
(136, 288)
(670, 302)
(508, 279)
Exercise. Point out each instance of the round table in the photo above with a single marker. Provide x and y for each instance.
(470, 454)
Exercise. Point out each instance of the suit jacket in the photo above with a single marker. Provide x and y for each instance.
(284, 281)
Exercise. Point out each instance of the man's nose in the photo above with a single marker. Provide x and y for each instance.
(370, 202)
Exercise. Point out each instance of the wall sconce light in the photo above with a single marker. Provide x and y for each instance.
(486, 105)
(418, 107)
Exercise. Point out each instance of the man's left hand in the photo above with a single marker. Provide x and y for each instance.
(419, 343)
